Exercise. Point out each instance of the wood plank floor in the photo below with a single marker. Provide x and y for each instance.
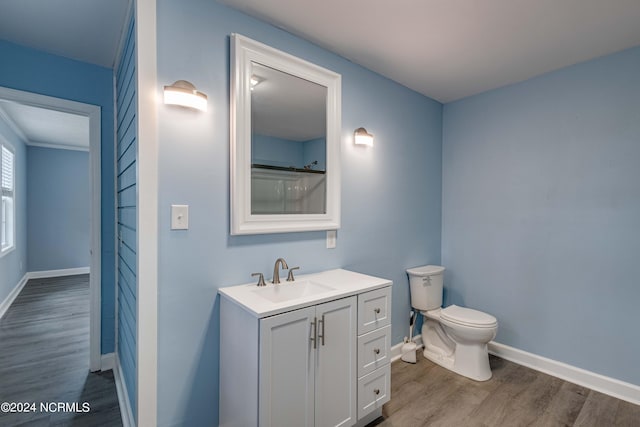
(44, 357)
(426, 394)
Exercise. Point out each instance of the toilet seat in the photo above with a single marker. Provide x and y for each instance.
(468, 317)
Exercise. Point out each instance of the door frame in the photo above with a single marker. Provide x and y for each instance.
(93, 112)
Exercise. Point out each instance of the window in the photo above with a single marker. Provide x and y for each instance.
(7, 237)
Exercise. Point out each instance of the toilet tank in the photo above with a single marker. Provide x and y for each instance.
(426, 287)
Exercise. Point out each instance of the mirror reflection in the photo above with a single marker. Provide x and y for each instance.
(288, 143)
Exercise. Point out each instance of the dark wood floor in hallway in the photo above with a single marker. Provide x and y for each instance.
(426, 394)
(44, 357)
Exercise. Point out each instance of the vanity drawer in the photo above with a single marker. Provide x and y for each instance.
(373, 350)
(374, 390)
(374, 310)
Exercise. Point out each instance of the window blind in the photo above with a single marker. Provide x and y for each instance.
(7, 172)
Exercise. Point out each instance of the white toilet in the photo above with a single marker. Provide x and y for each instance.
(454, 337)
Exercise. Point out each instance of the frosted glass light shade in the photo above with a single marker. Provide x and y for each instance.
(185, 94)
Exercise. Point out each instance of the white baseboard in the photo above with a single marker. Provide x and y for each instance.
(607, 385)
(57, 273)
(4, 306)
(107, 361)
(123, 396)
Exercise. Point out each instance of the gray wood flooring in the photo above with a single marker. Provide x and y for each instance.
(44, 357)
(426, 394)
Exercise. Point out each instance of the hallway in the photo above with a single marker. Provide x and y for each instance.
(44, 358)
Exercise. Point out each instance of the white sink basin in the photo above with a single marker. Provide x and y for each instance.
(288, 291)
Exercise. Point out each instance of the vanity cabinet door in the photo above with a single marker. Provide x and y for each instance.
(336, 363)
(287, 363)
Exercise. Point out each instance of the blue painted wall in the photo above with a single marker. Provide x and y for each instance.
(541, 212)
(269, 150)
(58, 214)
(13, 264)
(126, 169)
(34, 71)
(391, 196)
(315, 151)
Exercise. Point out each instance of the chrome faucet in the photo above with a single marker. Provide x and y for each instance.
(276, 270)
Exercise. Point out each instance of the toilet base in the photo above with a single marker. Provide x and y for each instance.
(467, 359)
(479, 372)
(440, 359)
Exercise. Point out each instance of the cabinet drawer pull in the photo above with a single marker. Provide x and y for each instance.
(321, 334)
(376, 391)
(376, 310)
(376, 350)
(314, 334)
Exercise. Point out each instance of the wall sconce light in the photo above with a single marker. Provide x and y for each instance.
(362, 137)
(185, 94)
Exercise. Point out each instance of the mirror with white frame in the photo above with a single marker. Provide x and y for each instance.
(285, 132)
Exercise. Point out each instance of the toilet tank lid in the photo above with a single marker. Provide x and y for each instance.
(467, 316)
(426, 270)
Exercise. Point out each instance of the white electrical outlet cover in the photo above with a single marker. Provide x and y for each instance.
(331, 239)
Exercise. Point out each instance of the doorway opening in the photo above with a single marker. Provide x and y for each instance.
(93, 114)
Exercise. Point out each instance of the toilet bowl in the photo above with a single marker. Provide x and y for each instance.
(454, 337)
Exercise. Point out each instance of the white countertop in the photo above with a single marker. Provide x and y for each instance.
(344, 283)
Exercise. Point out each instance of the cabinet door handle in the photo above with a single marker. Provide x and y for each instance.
(376, 310)
(314, 334)
(376, 391)
(376, 351)
(321, 334)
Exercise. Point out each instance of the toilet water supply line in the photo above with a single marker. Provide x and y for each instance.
(412, 321)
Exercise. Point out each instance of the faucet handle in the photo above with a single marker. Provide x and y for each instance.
(290, 277)
(260, 279)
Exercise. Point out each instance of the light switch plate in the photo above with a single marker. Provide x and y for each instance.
(331, 239)
(179, 217)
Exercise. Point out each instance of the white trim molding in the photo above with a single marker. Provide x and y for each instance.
(4, 306)
(12, 125)
(147, 220)
(607, 385)
(123, 396)
(58, 146)
(57, 273)
(107, 362)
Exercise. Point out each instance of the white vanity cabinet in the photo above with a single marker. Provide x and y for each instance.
(374, 347)
(305, 362)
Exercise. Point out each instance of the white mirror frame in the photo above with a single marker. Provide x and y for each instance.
(244, 51)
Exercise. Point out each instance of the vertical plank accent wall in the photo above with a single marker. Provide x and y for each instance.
(126, 99)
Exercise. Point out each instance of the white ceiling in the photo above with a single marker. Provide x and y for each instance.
(49, 128)
(450, 49)
(86, 30)
(285, 106)
(445, 49)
